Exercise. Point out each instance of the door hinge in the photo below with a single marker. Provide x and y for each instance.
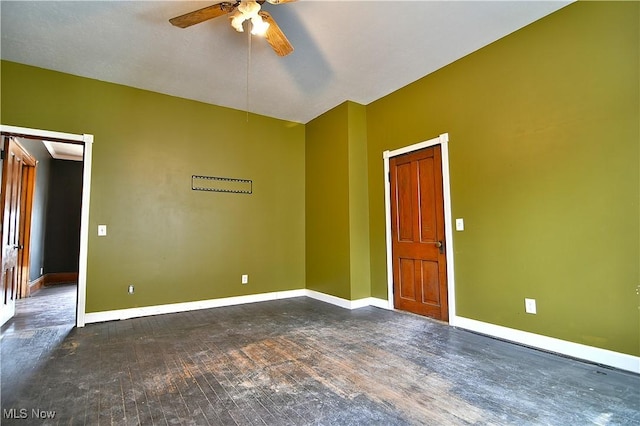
(2, 155)
(389, 177)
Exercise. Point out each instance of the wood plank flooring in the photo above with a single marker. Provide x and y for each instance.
(290, 362)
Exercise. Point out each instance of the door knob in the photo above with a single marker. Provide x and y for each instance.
(438, 244)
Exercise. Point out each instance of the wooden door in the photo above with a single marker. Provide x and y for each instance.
(27, 191)
(417, 231)
(10, 213)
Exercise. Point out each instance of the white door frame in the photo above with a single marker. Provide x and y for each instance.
(87, 141)
(443, 141)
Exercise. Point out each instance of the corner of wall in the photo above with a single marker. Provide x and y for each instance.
(338, 140)
(360, 261)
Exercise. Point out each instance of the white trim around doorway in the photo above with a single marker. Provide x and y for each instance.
(87, 141)
(443, 141)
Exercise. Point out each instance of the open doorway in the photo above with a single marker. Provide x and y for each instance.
(67, 267)
(49, 229)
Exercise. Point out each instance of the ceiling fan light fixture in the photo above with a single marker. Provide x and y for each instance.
(258, 26)
(239, 11)
(246, 10)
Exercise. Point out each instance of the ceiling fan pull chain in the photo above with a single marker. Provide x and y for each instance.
(248, 66)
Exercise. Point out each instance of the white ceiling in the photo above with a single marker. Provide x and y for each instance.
(344, 50)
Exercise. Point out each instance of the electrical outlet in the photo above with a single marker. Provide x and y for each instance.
(530, 306)
(131, 289)
(245, 279)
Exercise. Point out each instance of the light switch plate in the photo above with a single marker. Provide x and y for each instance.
(530, 306)
(460, 224)
(102, 230)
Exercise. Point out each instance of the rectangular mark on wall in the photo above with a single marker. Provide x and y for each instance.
(221, 184)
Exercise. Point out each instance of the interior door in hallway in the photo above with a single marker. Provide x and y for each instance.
(10, 213)
(417, 231)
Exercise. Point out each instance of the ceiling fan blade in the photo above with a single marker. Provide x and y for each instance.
(204, 14)
(275, 36)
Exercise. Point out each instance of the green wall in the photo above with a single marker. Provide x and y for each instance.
(327, 203)
(359, 202)
(337, 236)
(172, 243)
(544, 149)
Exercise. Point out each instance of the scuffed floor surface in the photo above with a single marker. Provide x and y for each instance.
(290, 362)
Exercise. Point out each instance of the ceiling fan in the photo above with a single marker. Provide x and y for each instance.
(240, 11)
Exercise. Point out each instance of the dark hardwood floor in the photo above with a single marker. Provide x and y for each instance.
(290, 362)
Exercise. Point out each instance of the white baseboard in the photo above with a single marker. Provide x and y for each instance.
(121, 314)
(338, 301)
(347, 304)
(380, 303)
(575, 350)
(327, 298)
